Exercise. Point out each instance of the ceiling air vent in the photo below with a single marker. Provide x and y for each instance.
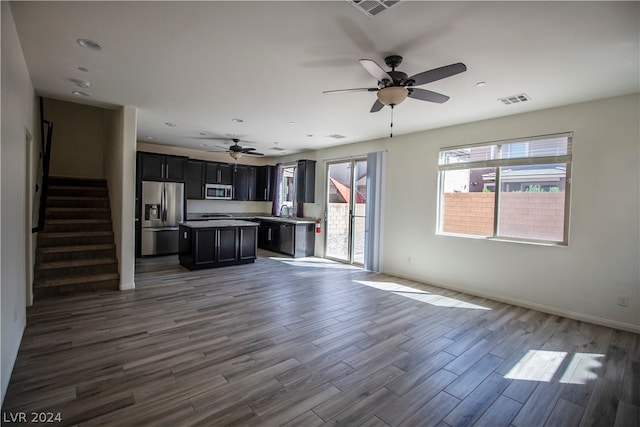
(336, 136)
(515, 99)
(373, 7)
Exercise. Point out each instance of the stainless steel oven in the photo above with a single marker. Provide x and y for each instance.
(218, 192)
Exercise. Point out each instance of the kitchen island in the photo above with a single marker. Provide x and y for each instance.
(217, 243)
(292, 236)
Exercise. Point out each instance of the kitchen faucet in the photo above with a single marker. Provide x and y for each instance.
(284, 207)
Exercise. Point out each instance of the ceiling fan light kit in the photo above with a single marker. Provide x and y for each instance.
(393, 95)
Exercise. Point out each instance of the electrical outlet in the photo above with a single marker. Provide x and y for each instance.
(622, 300)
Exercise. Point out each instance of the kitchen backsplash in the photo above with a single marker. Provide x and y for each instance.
(223, 206)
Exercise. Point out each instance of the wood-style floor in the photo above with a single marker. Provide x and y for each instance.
(310, 342)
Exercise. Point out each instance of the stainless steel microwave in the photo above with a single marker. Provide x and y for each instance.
(218, 192)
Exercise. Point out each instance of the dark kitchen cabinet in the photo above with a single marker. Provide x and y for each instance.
(160, 167)
(294, 239)
(244, 182)
(226, 245)
(248, 243)
(210, 247)
(269, 236)
(306, 181)
(218, 173)
(287, 239)
(265, 178)
(213, 245)
(195, 179)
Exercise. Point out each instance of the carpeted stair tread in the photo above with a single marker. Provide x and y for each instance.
(76, 220)
(66, 234)
(74, 209)
(76, 248)
(77, 263)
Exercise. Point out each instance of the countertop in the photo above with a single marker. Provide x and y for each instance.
(199, 217)
(219, 223)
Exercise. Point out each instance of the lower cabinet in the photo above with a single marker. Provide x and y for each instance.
(217, 247)
(296, 240)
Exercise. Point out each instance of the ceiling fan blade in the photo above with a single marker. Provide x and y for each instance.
(437, 74)
(253, 153)
(377, 106)
(375, 70)
(246, 149)
(427, 95)
(360, 89)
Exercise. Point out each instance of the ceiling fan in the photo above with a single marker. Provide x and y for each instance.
(236, 151)
(395, 86)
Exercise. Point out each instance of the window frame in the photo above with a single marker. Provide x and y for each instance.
(498, 163)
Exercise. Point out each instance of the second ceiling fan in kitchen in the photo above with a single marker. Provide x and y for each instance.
(236, 150)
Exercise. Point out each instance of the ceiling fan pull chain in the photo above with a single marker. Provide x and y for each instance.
(391, 136)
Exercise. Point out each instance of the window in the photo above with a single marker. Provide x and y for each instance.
(287, 188)
(514, 190)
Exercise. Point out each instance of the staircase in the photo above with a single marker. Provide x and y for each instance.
(76, 250)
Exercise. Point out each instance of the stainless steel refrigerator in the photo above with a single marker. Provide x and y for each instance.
(162, 211)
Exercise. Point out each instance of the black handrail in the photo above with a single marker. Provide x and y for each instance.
(46, 158)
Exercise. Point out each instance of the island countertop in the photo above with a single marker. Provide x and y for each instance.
(220, 223)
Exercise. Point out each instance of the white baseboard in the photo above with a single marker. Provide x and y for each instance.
(532, 305)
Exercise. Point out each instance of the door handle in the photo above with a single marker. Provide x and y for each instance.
(269, 234)
(167, 171)
(219, 176)
(265, 194)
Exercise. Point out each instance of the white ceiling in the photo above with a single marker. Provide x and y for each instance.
(201, 64)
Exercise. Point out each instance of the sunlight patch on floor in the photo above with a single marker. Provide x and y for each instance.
(542, 365)
(581, 368)
(537, 365)
(314, 262)
(420, 295)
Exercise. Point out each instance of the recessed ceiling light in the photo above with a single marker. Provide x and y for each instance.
(81, 83)
(292, 123)
(480, 84)
(310, 135)
(150, 137)
(89, 44)
(83, 69)
(80, 93)
(171, 125)
(203, 145)
(277, 142)
(237, 120)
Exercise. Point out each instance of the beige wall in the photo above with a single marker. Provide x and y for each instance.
(582, 280)
(119, 161)
(79, 133)
(18, 118)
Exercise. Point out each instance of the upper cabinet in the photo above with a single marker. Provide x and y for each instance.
(160, 167)
(195, 179)
(244, 182)
(218, 173)
(265, 177)
(306, 181)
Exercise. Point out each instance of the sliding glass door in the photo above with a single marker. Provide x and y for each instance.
(346, 210)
